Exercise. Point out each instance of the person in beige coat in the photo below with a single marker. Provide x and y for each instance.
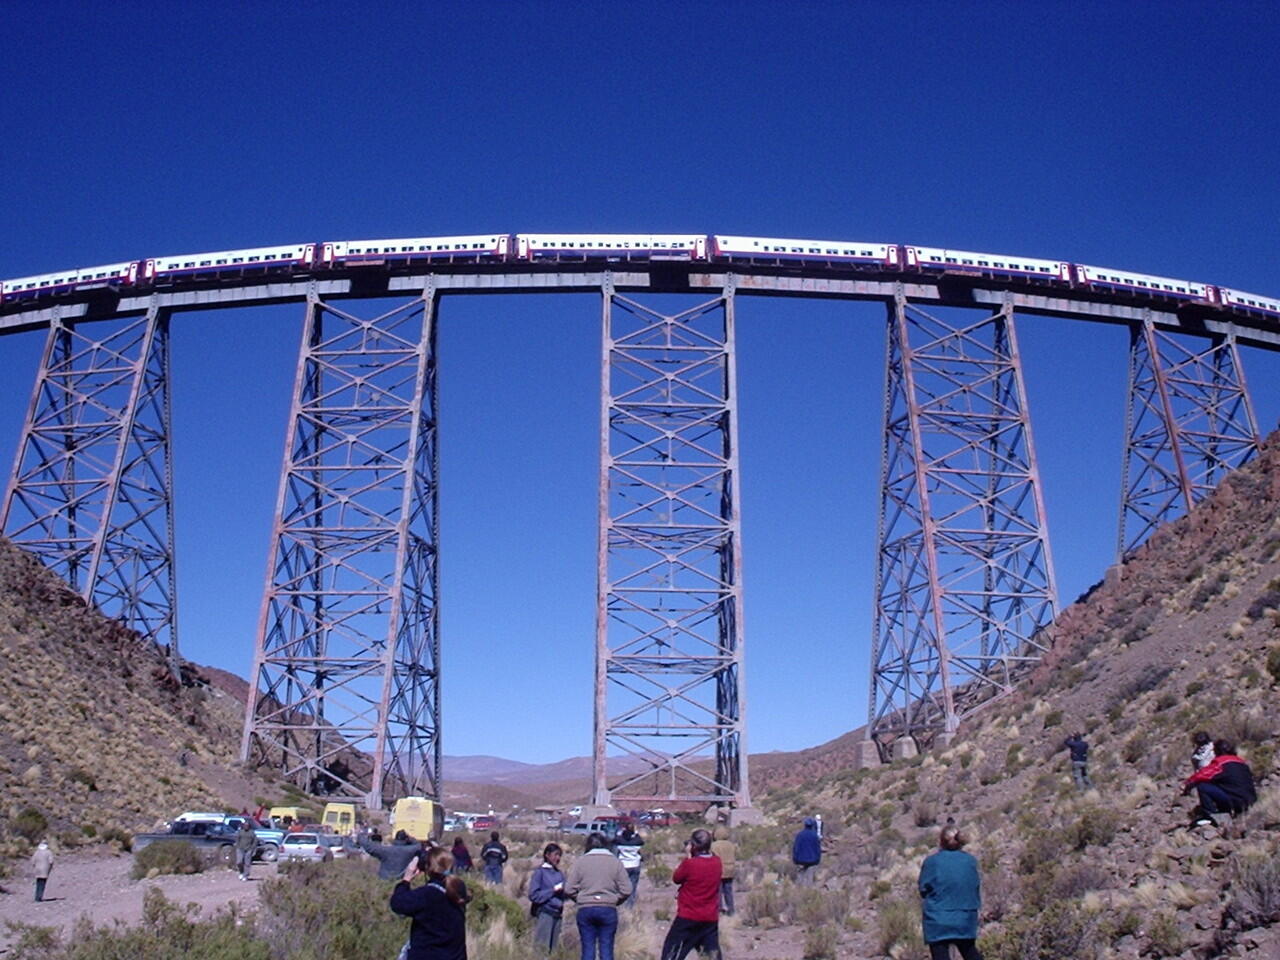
(42, 866)
(727, 851)
(598, 883)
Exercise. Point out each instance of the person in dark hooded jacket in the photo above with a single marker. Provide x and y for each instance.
(1225, 785)
(438, 910)
(806, 852)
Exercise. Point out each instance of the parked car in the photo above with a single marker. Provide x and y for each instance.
(212, 839)
(608, 828)
(341, 847)
(305, 847)
(484, 823)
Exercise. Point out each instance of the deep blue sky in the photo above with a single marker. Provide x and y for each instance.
(1135, 135)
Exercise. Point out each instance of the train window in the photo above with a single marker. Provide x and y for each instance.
(1045, 270)
(253, 259)
(833, 251)
(237, 259)
(220, 262)
(951, 259)
(935, 259)
(192, 263)
(997, 263)
(1168, 287)
(868, 253)
(983, 263)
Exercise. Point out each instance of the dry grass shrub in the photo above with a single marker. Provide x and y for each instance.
(167, 856)
(1062, 931)
(899, 929)
(820, 943)
(1254, 889)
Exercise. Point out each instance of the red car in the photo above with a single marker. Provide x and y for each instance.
(484, 823)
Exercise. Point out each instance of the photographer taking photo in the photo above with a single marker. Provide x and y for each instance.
(438, 910)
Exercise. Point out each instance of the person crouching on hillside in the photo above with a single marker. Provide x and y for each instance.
(438, 910)
(1202, 756)
(1224, 786)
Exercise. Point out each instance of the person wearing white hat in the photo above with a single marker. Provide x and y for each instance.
(42, 864)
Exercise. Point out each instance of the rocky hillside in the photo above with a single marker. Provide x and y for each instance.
(96, 738)
(1182, 637)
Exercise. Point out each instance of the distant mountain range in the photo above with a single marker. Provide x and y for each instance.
(513, 773)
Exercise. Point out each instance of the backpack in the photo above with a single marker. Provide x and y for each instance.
(533, 909)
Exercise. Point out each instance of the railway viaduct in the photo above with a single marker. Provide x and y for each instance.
(346, 681)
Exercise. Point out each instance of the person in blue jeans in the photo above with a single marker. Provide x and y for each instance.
(598, 882)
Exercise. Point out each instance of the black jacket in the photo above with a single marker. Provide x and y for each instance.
(439, 929)
(1079, 749)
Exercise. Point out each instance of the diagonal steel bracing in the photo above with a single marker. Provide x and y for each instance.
(346, 675)
(669, 681)
(91, 488)
(1189, 423)
(964, 579)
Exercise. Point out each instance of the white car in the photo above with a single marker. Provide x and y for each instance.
(305, 846)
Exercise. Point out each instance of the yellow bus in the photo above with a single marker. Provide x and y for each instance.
(419, 817)
(339, 818)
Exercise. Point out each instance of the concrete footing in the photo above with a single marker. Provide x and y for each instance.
(745, 817)
(904, 748)
(866, 754)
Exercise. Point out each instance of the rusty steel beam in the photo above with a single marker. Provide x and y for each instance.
(964, 579)
(344, 694)
(669, 684)
(91, 492)
(1188, 423)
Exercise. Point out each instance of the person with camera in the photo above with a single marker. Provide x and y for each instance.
(697, 922)
(438, 909)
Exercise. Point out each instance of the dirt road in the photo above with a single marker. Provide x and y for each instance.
(98, 885)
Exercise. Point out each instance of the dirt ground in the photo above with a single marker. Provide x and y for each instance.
(98, 884)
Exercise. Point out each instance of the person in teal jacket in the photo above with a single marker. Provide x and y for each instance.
(951, 893)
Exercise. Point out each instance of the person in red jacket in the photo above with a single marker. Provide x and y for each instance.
(1225, 785)
(697, 922)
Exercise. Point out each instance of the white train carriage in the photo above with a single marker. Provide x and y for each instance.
(65, 281)
(820, 251)
(1109, 278)
(468, 248)
(1249, 302)
(184, 265)
(610, 246)
(986, 264)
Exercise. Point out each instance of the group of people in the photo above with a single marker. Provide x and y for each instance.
(604, 879)
(1222, 780)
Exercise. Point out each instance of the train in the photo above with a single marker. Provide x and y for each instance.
(312, 259)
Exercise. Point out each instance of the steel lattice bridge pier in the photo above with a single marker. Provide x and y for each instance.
(346, 682)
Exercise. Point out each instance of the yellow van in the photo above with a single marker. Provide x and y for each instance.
(419, 817)
(285, 817)
(340, 818)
